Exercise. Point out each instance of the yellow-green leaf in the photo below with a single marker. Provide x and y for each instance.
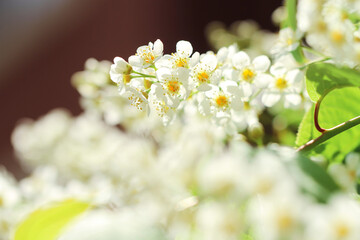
(339, 106)
(47, 223)
(321, 78)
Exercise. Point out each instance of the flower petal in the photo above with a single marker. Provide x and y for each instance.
(184, 48)
(261, 63)
(210, 61)
(240, 60)
(269, 98)
(158, 47)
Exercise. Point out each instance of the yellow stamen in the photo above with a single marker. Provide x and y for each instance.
(147, 56)
(284, 221)
(321, 26)
(344, 15)
(181, 62)
(248, 74)
(342, 230)
(281, 83)
(289, 41)
(352, 174)
(263, 186)
(203, 77)
(221, 101)
(337, 36)
(173, 86)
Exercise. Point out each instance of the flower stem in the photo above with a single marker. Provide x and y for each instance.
(143, 75)
(310, 50)
(329, 133)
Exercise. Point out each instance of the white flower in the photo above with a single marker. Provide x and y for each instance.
(266, 175)
(137, 98)
(203, 72)
(95, 76)
(220, 100)
(147, 55)
(107, 225)
(251, 74)
(222, 177)
(180, 59)
(339, 219)
(217, 220)
(174, 82)
(277, 217)
(285, 84)
(346, 174)
(120, 73)
(225, 54)
(288, 41)
(161, 104)
(9, 193)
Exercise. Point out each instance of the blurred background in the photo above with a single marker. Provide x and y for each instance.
(43, 42)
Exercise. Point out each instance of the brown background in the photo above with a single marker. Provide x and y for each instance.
(42, 46)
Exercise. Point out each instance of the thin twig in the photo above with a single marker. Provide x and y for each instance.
(329, 133)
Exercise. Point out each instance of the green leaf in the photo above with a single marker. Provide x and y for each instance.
(323, 77)
(315, 179)
(337, 107)
(48, 222)
(354, 18)
(307, 130)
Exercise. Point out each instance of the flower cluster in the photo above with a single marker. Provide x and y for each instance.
(332, 28)
(213, 189)
(161, 150)
(229, 87)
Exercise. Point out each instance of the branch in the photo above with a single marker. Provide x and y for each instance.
(329, 133)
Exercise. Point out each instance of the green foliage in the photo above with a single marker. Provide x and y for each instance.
(290, 119)
(307, 130)
(47, 223)
(337, 107)
(354, 18)
(314, 179)
(321, 78)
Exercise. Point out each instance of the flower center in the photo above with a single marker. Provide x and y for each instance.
(352, 174)
(321, 26)
(181, 62)
(147, 55)
(342, 230)
(136, 101)
(281, 83)
(173, 86)
(248, 74)
(161, 108)
(284, 221)
(289, 41)
(337, 36)
(203, 76)
(221, 101)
